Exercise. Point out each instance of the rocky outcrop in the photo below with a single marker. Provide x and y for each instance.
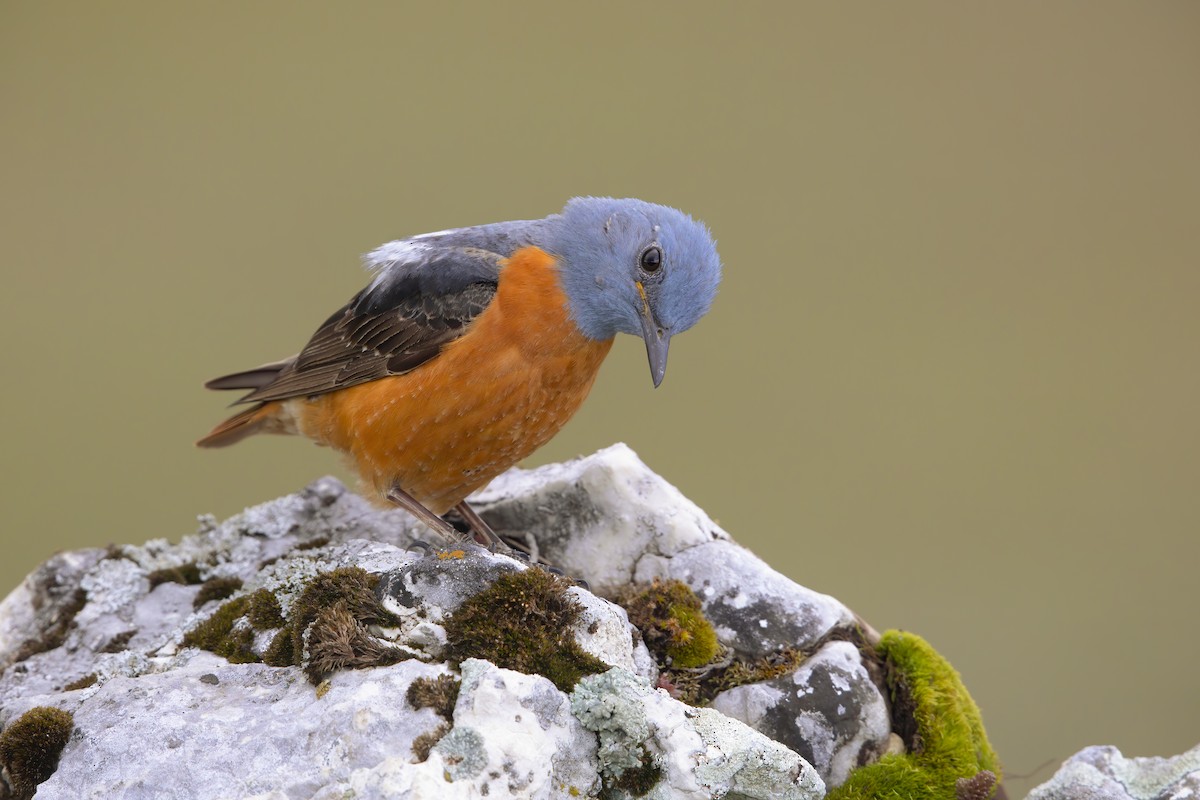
(308, 648)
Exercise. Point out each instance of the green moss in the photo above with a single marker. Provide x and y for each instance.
(523, 622)
(674, 627)
(265, 612)
(188, 574)
(31, 746)
(334, 609)
(219, 634)
(939, 722)
(56, 632)
(216, 589)
(82, 683)
(279, 651)
(440, 694)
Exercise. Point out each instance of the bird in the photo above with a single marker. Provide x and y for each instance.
(471, 347)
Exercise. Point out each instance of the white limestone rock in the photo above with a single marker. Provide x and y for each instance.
(609, 519)
(173, 720)
(1102, 773)
(828, 711)
(691, 752)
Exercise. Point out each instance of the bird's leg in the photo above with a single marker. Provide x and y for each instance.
(481, 528)
(410, 504)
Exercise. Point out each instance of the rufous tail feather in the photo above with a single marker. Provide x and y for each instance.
(262, 418)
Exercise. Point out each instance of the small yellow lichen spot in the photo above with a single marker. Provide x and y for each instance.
(323, 688)
(452, 554)
(573, 791)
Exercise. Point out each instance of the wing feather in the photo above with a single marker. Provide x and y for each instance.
(425, 294)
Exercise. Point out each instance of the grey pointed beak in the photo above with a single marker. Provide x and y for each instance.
(657, 338)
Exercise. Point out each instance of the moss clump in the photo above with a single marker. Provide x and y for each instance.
(188, 574)
(328, 624)
(335, 609)
(523, 622)
(216, 589)
(338, 640)
(940, 724)
(634, 781)
(220, 633)
(56, 633)
(118, 643)
(698, 687)
(669, 615)
(440, 694)
(82, 683)
(425, 742)
(265, 613)
(313, 544)
(31, 746)
(279, 651)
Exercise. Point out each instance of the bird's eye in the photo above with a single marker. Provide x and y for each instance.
(651, 258)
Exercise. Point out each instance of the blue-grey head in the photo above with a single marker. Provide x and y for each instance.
(634, 267)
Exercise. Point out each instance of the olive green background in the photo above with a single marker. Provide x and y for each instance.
(951, 376)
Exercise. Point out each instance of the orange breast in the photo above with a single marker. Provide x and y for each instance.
(486, 401)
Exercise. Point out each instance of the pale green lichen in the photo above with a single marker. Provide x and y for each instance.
(463, 752)
(610, 706)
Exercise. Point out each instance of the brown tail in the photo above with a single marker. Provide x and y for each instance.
(261, 418)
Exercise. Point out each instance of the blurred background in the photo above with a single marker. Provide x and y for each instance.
(951, 377)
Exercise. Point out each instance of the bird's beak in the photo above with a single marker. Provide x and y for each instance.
(657, 338)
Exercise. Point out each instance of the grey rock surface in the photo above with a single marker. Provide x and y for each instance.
(1102, 773)
(700, 752)
(611, 520)
(828, 711)
(162, 719)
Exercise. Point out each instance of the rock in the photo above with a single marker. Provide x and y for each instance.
(1102, 773)
(657, 747)
(326, 622)
(611, 520)
(828, 711)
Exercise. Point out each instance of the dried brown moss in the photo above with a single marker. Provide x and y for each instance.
(188, 574)
(56, 632)
(440, 694)
(215, 589)
(338, 640)
(82, 683)
(425, 742)
(31, 746)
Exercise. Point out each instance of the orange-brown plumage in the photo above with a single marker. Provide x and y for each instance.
(489, 399)
(472, 347)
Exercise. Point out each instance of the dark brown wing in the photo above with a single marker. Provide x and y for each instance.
(426, 291)
(357, 345)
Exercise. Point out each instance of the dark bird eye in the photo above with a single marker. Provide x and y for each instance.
(652, 259)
